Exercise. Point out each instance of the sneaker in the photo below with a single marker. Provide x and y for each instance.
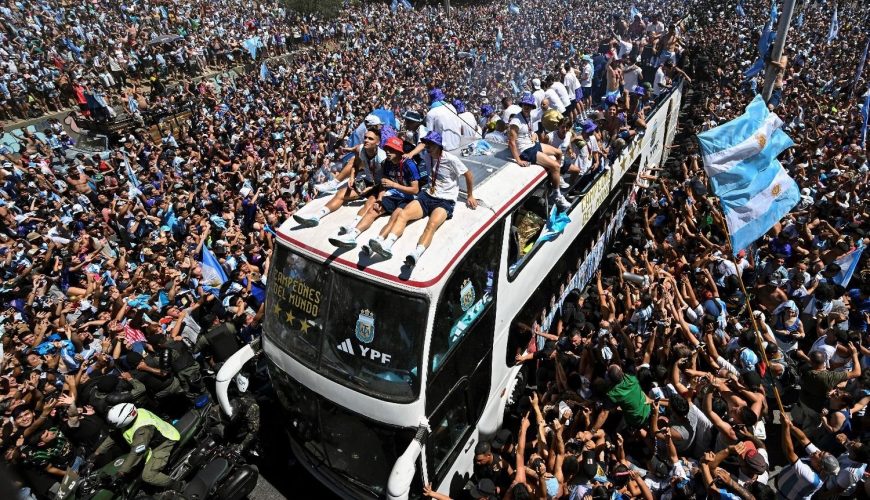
(344, 241)
(329, 186)
(344, 229)
(411, 260)
(377, 246)
(563, 184)
(366, 250)
(306, 221)
(561, 203)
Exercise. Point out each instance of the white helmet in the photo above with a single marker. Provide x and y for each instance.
(122, 415)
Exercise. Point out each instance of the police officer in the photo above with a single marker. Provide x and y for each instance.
(149, 437)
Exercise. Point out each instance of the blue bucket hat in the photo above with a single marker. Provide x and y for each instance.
(589, 126)
(459, 105)
(436, 95)
(486, 110)
(528, 100)
(433, 138)
(639, 90)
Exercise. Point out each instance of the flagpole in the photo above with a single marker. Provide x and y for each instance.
(758, 338)
(778, 46)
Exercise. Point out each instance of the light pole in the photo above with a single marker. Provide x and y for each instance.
(778, 45)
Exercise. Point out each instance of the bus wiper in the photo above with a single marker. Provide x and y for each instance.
(350, 376)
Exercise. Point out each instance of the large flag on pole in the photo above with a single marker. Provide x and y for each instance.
(865, 112)
(753, 188)
(848, 264)
(835, 27)
(764, 43)
(860, 67)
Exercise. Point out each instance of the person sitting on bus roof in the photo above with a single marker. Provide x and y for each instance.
(371, 121)
(367, 167)
(436, 202)
(399, 185)
(526, 149)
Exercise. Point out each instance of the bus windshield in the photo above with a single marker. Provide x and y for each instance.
(354, 332)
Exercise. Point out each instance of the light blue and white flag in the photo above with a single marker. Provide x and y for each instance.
(264, 72)
(498, 40)
(860, 67)
(865, 112)
(633, 12)
(213, 275)
(131, 175)
(252, 45)
(738, 151)
(407, 5)
(835, 26)
(848, 264)
(753, 188)
(740, 11)
(513, 8)
(394, 6)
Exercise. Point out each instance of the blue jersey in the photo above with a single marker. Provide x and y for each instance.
(405, 173)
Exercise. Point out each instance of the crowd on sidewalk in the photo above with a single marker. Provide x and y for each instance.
(652, 387)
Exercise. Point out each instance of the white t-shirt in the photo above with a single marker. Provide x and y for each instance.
(445, 174)
(562, 91)
(631, 77)
(555, 100)
(561, 143)
(571, 83)
(513, 109)
(469, 129)
(524, 132)
(660, 81)
(656, 27)
(586, 75)
(539, 96)
(444, 120)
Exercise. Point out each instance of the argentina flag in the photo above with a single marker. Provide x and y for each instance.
(753, 188)
(213, 275)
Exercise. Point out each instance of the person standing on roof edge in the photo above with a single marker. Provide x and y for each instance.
(436, 202)
(367, 167)
(526, 149)
(442, 118)
(399, 185)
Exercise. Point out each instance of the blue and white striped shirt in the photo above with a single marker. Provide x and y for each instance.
(798, 480)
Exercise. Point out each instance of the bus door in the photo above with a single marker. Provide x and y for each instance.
(460, 363)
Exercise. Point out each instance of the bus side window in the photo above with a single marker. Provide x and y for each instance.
(527, 223)
(449, 424)
(469, 293)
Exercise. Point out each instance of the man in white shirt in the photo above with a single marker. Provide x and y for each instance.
(572, 84)
(537, 92)
(437, 201)
(442, 118)
(469, 122)
(556, 84)
(587, 72)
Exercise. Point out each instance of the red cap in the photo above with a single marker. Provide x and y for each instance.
(395, 144)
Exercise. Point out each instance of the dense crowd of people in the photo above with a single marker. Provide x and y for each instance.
(654, 387)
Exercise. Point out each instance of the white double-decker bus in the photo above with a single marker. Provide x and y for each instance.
(390, 375)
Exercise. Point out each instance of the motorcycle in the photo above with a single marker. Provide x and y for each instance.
(218, 472)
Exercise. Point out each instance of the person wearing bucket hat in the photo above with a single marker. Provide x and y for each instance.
(526, 149)
(442, 118)
(399, 185)
(469, 122)
(414, 128)
(436, 202)
(366, 169)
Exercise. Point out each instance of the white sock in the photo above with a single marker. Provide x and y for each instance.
(418, 252)
(323, 212)
(391, 238)
(355, 221)
(353, 233)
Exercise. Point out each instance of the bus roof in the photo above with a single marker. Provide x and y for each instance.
(499, 183)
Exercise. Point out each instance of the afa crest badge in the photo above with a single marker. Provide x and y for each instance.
(365, 326)
(466, 295)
